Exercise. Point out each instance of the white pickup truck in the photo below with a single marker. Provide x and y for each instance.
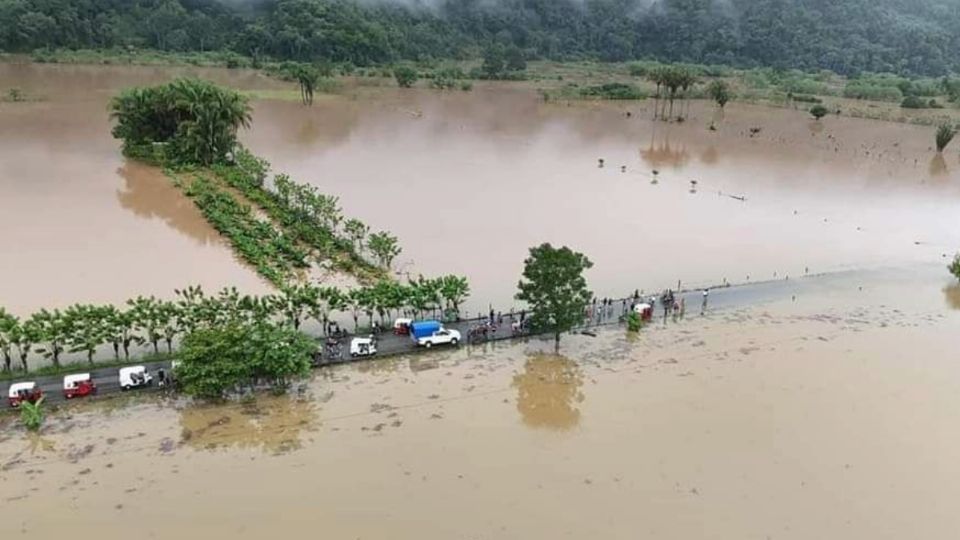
(440, 337)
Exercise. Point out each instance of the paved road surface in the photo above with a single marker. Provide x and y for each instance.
(107, 379)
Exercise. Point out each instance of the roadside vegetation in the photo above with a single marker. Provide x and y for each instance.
(150, 324)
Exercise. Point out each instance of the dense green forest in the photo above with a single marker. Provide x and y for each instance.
(914, 37)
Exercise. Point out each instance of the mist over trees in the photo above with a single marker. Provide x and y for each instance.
(914, 37)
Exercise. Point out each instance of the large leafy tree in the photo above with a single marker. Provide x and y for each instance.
(554, 287)
(217, 360)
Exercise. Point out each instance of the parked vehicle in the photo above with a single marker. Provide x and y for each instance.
(134, 377)
(23, 391)
(401, 327)
(360, 347)
(78, 385)
(430, 333)
(644, 310)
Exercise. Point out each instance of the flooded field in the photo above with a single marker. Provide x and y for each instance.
(469, 181)
(824, 414)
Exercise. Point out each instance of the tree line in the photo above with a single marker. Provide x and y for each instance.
(158, 324)
(916, 37)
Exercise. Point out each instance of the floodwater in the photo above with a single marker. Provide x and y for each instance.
(827, 413)
(80, 222)
(469, 181)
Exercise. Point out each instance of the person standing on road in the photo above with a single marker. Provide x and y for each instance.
(703, 306)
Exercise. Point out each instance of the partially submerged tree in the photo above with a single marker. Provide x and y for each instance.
(214, 361)
(945, 134)
(818, 111)
(195, 121)
(308, 77)
(554, 287)
(954, 266)
(719, 91)
(384, 247)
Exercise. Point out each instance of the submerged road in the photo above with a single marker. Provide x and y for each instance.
(107, 379)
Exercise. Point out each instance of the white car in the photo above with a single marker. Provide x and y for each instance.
(440, 337)
(134, 377)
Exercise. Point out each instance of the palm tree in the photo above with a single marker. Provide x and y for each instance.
(720, 93)
(657, 76)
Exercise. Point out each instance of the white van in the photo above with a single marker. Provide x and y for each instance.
(134, 377)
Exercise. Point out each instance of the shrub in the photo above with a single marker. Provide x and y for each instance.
(406, 76)
(613, 91)
(954, 266)
(806, 99)
(818, 111)
(865, 90)
(32, 415)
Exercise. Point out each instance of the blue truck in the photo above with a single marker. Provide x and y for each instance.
(430, 333)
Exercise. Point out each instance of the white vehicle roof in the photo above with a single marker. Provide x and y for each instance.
(400, 321)
(641, 307)
(17, 387)
(70, 380)
(131, 370)
(360, 340)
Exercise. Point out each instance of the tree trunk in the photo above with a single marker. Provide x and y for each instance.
(155, 349)
(6, 361)
(169, 345)
(126, 350)
(556, 341)
(116, 350)
(89, 356)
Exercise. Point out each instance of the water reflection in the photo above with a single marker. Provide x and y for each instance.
(938, 165)
(951, 294)
(149, 194)
(663, 154)
(710, 156)
(274, 424)
(548, 392)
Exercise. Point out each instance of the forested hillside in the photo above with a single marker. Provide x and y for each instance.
(918, 37)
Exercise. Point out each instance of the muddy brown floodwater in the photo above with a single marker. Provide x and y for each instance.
(828, 414)
(469, 181)
(82, 224)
